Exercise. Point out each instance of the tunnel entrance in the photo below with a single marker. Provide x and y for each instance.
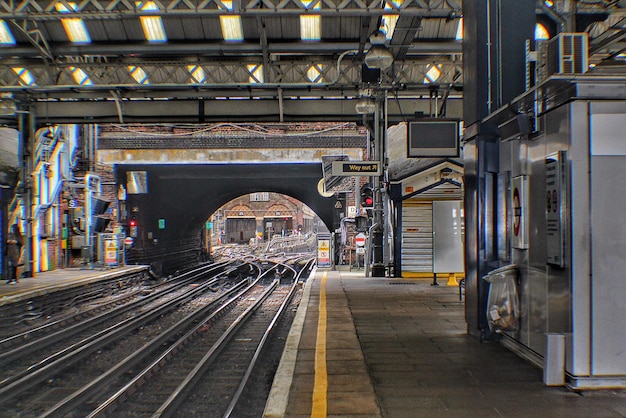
(169, 204)
(259, 217)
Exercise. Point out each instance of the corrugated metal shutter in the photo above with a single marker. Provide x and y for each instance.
(417, 237)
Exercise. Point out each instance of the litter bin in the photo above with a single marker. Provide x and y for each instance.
(503, 299)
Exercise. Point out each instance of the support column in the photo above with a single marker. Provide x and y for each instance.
(26, 132)
(495, 34)
(378, 266)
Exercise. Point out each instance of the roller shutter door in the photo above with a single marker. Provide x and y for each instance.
(417, 237)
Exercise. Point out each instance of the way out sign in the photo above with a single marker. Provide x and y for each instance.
(356, 168)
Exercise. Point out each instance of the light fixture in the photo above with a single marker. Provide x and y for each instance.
(7, 106)
(138, 74)
(6, 37)
(153, 28)
(232, 28)
(198, 76)
(256, 73)
(311, 24)
(74, 27)
(379, 56)
(26, 78)
(81, 77)
(365, 106)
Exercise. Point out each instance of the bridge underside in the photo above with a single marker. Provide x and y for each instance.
(184, 196)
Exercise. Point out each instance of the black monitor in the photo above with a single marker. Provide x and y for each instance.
(433, 138)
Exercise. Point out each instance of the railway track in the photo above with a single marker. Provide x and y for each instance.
(88, 314)
(154, 357)
(22, 316)
(50, 366)
(219, 350)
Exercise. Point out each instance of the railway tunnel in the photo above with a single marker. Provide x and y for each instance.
(169, 204)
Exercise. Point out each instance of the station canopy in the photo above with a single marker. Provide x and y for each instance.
(128, 61)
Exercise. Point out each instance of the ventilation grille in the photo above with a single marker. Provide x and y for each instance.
(567, 53)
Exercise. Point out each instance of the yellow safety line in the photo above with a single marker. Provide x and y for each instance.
(320, 386)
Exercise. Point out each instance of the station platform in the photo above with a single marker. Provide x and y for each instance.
(386, 347)
(60, 279)
(389, 347)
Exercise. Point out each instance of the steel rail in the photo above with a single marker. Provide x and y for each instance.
(87, 391)
(178, 396)
(259, 349)
(36, 343)
(48, 367)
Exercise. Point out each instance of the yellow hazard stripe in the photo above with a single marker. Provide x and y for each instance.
(319, 407)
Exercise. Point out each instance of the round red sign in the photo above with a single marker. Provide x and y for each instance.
(359, 240)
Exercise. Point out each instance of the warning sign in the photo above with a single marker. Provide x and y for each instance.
(110, 252)
(323, 252)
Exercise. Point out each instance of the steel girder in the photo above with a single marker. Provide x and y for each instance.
(116, 9)
(231, 70)
(106, 74)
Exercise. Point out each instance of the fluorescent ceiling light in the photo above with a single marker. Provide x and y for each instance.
(314, 73)
(232, 28)
(311, 25)
(26, 78)
(433, 74)
(74, 27)
(197, 74)
(81, 77)
(138, 74)
(6, 37)
(541, 33)
(388, 24)
(153, 27)
(256, 73)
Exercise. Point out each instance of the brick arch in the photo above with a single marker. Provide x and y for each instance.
(185, 195)
(284, 210)
(241, 208)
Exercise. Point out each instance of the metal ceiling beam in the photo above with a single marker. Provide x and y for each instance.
(222, 49)
(31, 31)
(264, 46)
(403, 35)
(116, 9)
(165, 75)
(256, 110)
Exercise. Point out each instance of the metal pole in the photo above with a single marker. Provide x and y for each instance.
(26, 131)
(378, 267)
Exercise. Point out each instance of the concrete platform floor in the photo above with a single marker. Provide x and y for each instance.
(387, 347)
(55, 280)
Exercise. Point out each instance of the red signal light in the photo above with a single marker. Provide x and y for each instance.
(133, 222)
(369, 201)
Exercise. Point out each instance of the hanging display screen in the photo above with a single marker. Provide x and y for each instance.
(436, 138)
